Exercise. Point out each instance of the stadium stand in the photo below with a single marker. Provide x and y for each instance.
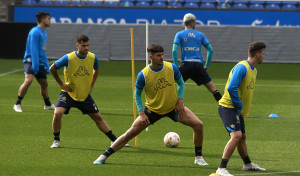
(29, 2)
(142, 4)
(191, 5)
(273, 5)
(94, 3)
(45, 2)
(159, 4)
(208, 4)
(61, 2)
(111, 3)
(78, 2)
(126, 4)
(256, 4)
(240, 4)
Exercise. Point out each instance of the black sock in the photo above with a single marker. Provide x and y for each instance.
(217, 95)
(47, 101)
(19, 100)
(198, 151)
(246, 160)
(56, 136)
(108, 152)
(111, 136)
(223, 163)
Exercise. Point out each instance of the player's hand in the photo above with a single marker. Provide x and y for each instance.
(66, 88)
(180, 108)
(205, 67)
(144, 118)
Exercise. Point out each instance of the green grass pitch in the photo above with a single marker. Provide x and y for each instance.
(273, 143)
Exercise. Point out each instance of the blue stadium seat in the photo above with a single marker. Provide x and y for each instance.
(142, 4)
(175, 4)
(207, 5)
(111, 3)
(191, 5)
(289, 5)
(94, 3)
(29, 2)
(240, 4)
(126, 4)
(193, 1)
(159, 4)
(273, 6)
(61, 2)
(45, 2)
(257, 4)
(78, 2)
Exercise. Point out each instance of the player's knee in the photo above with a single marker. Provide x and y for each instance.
(198, 125)
(28, 82)
(236, 136)
(57, 115)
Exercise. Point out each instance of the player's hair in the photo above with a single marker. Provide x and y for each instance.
(40, 15)
(154, 48)
(82, 38)
(256, 47)
(188, 23)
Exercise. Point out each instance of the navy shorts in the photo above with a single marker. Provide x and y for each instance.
(42, 74)
(231, 120)
(195, 71)
(153, 117)
(87, 106)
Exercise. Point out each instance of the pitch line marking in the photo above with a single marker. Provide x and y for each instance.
(10, 72)
(270, 173)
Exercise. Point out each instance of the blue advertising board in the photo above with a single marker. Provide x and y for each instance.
(158, 16)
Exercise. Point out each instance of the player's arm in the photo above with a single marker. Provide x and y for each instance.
(35, 51)
(238, 74)
(53, 69)
(210, 52)
(95, 72)
(174, 53)
(139, 85)
(180, 91)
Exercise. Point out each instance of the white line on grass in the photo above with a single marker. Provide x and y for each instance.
(10, 72)
(271, 173)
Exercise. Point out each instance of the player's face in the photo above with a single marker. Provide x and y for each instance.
(261, 56)
(83, 47)
(157, 59)
(46, 21)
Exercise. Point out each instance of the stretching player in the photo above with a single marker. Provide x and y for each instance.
(159, 80)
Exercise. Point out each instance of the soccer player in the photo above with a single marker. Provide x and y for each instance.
(191, 66)
(35, 61)
(159, 80)
(81, 70)
(235, 105)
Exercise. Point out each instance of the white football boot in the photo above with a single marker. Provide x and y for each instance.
(17, 108)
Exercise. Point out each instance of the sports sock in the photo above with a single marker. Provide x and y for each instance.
(108, 152)
(223, 163)
(19, 100)
(56, 136)
(246, 160)
(217, 95)
(47, 101)
(111, 136)
(198, 151)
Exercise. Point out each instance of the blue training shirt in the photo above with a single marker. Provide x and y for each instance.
(64, 61)
(191, 42)
(238, 74)
(36, 49)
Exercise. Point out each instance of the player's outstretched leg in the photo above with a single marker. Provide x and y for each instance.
(137, 127)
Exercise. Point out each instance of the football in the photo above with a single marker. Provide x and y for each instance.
(171, 139)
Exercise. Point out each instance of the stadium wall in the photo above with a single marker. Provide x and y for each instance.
(13, 39)
(230, 43)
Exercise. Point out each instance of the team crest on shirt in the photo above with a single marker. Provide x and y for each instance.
(251, 84)
(161, 84)
(232, 126)
(81, 71)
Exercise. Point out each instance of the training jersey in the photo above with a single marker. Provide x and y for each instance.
(36, 49)
(160, 88)
(239, 88)
(191, 42)
(78, 73)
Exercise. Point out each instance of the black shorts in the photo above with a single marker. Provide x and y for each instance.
(195, 71)
(231, 120)
(153, 117)
(42, 74)
(87, 106)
